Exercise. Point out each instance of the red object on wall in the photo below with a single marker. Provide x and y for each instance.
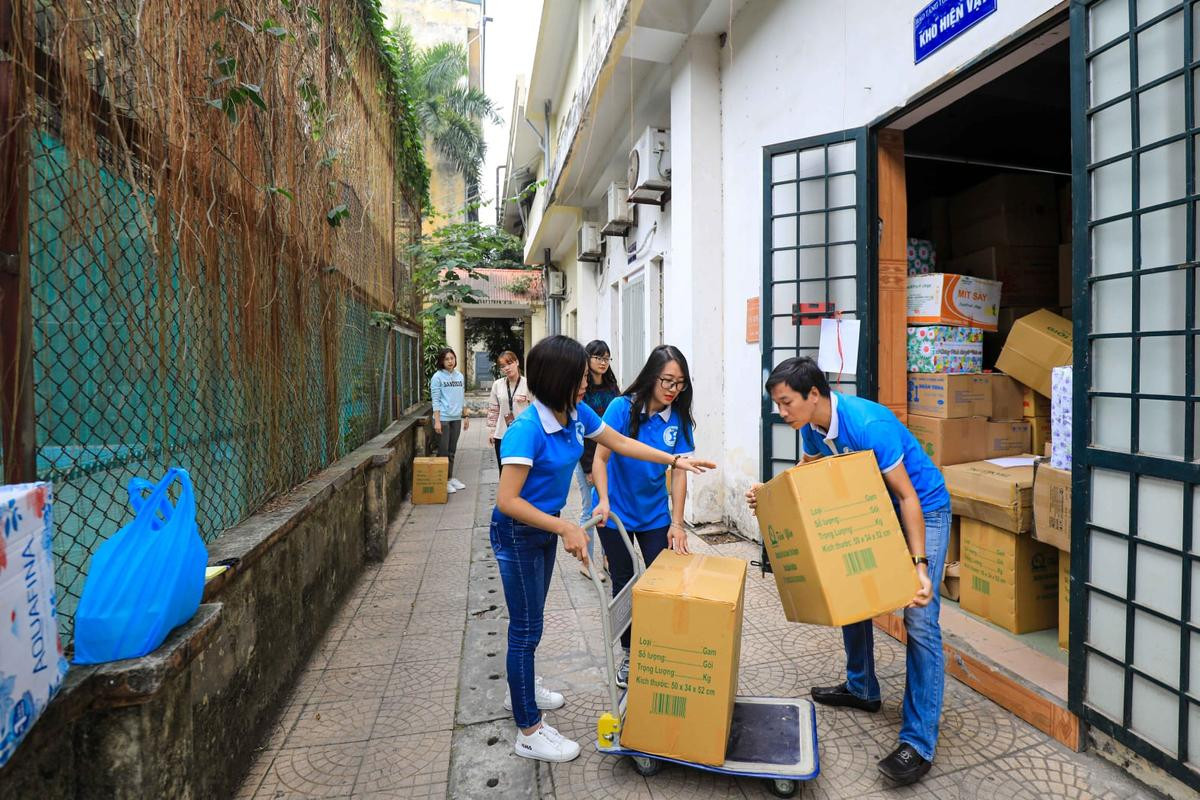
(811, 313)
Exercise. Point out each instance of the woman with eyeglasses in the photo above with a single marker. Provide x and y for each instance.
(602, 389)
(656, 410)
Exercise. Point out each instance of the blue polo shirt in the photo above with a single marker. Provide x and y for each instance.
(857, 424)
(538, 441)
(637, 490)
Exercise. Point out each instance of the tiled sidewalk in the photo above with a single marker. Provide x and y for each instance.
(403, 698)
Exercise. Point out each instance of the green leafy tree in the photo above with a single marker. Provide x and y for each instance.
(496, 336)
(451, 113)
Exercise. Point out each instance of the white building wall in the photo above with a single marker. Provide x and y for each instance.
(793, 69)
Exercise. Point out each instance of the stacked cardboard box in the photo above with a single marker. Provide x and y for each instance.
(1052, 525)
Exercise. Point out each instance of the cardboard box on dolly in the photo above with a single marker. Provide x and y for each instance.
(834, 541)
(683, 665)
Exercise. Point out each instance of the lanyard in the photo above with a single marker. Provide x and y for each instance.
(509, 387)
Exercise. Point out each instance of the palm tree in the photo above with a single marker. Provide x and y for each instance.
(449, 110)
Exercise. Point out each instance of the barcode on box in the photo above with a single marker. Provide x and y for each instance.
(980, 585)
(426, 490)
(668, 705)
(859, 561)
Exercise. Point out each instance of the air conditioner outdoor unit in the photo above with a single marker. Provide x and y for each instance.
(620, 213)
(650, 167)
(589, 244)
(557, 284)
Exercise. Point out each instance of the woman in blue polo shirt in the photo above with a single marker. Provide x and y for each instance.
(540, 450)
(656, 410)
(831, 423)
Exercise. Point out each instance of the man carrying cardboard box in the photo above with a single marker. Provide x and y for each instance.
(831, 423)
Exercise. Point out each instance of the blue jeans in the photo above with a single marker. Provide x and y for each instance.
(585, 513)
(526, 559)
(925, 661)
(620, 566)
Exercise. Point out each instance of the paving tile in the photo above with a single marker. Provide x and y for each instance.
(336, 722)
(364, 652)
(430, 647)
(387, 625)
(434, 622)
(350, 683)
(317, 771)
(415, 765)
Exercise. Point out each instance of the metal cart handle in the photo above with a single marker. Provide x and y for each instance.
(620, 606)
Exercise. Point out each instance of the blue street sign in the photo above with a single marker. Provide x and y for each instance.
(942, 21)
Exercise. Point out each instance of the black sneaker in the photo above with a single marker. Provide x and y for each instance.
(623, 671)
(840, 696)
(904, 765)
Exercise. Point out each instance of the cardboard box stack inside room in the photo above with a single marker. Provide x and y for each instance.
(835, 545)
(686, 647)
(945, 349)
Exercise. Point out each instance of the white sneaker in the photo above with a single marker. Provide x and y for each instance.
(545, 744)
(457, 484)
(450, 487)
(546, 699)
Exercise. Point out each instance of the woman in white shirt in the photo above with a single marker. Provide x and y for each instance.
(510, 396)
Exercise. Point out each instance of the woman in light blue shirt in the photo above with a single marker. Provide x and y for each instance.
(539, 452)
(446, 389)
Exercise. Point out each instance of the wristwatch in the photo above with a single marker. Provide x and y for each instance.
(920, 560)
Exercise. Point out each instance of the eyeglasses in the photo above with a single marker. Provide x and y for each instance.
(602, 359)
(671, 385)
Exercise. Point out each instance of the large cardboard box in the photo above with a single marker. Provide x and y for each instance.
(942, 299)
(1033, 404)
(1000, 496)
(951, 441)
(944, 349)
(949, 396)
(1006, 397)
(1064, 601)
(683, 665)
(32, 666)
(1052, 506)
(1008, 579)
(1037, 344)
(993, 343)
(1010, 437)
(834, 542)
(1029, 273)
(1008, 209)
(430, 474)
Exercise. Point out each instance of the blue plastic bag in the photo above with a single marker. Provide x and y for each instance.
(147, 579)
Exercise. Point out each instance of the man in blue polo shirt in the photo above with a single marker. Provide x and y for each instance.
(831, 423)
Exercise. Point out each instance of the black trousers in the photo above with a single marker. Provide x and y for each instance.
(448, 442)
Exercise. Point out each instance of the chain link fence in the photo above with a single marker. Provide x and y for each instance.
(218, 313)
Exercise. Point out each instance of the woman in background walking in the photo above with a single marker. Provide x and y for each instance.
(510, 396)
(602, 389)
(446, 389)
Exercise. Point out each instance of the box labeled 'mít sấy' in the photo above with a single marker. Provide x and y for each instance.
(944, 299)
(949, 395)
(944, 349)
(1036, 345)
(1000, 496)
(1008, 437)
(950, 441)
(683, 665)
(1052, 506)
(429, 479)
(834, 541)
(1008, 578)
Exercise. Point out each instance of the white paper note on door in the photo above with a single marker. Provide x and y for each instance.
(839, 346)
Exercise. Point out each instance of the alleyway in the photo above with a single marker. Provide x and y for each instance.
(403, 698)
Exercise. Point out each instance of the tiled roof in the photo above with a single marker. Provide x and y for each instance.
(497, 286)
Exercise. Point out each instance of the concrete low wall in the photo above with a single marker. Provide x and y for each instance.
(184, 721)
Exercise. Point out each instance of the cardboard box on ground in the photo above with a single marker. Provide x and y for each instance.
(683, 666)
(430, 474)
(834, 542)
(1007, 397)
(1008, 578)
